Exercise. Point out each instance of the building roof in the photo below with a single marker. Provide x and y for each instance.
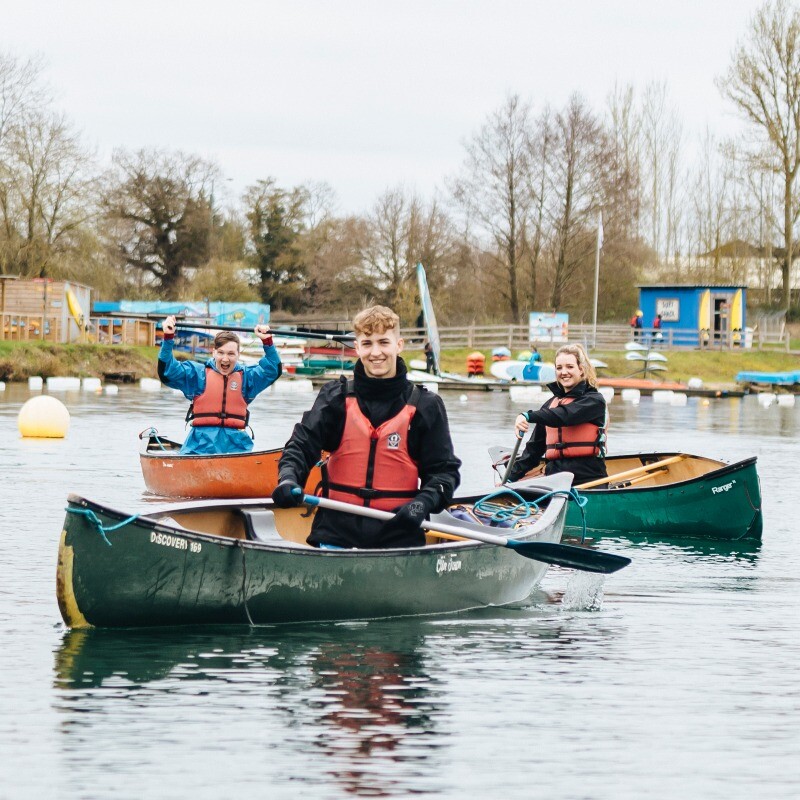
(691, 286)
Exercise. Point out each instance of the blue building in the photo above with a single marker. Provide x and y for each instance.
(696, 314)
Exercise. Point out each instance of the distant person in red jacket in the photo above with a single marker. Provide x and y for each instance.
(657, 335)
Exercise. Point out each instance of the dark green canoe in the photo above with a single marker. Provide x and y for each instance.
(244, 562)
(669, 495)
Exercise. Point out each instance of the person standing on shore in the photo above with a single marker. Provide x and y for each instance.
(220, 390)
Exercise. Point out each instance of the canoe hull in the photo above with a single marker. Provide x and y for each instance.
(154, 574)
(723, 504)
(168, 474)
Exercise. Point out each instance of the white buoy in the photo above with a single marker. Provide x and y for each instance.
(462, 398)
(631, 396)
(91, 385)
(296, 386)
(695, 383)
(43, 417)
(607, 392)
(526, 394)
(2, 386)
(63, 384)
(766, 399)
(786, 400)
(112, 389)
(35, 384)
(149, 385)
(679, 399)
(662, 395)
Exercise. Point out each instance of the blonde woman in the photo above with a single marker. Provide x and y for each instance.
(570, 428)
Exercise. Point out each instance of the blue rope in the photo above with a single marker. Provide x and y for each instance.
(95, 520)
(153, 434)
(525, 508)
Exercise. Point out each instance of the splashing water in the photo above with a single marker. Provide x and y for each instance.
(584, 592)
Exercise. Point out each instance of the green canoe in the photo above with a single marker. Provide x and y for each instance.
(245, 562)
(668, 495)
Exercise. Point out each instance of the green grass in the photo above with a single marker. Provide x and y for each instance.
(22, 360)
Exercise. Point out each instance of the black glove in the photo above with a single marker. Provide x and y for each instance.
(407, 518)
(283, 496)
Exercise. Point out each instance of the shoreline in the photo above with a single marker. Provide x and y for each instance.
(22, 360)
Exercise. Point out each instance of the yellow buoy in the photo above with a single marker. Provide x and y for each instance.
(43, 417)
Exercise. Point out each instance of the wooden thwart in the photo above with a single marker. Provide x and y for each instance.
(632, 473)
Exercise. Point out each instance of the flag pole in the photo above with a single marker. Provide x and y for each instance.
(597, 276)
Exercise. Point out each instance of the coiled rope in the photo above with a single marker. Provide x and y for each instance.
(524, 509)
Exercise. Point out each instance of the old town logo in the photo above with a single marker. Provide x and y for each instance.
(394, 441)
(234, 386)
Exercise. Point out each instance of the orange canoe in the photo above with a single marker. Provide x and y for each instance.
(169, 474)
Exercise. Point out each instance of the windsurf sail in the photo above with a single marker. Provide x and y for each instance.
(430, 318)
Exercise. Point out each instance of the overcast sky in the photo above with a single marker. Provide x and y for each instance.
(361, 95)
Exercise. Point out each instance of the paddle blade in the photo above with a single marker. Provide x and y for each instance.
(566, 555)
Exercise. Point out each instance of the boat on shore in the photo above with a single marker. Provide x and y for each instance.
(671, 495)
(168, 473)
(246, 562)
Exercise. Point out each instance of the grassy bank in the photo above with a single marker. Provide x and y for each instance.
(22, 360)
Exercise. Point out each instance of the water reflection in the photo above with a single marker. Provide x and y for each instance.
(362, 691)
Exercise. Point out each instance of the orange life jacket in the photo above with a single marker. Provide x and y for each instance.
(574, 441)
(372, 466)
(221, 404)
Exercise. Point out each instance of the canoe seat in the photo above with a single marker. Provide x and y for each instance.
(259, 525)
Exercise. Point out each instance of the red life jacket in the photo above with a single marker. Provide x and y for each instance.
(221, 404)
(574, 441)
(372, 466)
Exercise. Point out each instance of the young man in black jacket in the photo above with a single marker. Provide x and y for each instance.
(389, 442)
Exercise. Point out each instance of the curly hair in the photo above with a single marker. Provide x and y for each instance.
(375, 319)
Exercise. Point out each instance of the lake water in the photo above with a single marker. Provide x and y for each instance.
(675, 678)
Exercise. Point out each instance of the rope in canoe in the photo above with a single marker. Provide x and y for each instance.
(508, 515)
(95, 520)
(152, 433)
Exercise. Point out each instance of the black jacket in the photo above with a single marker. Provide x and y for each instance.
(588, 406)
(429, 444)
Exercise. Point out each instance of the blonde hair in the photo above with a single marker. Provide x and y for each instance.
(375, 319)
(582, 359)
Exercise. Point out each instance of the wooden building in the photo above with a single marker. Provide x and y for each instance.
(44, 309)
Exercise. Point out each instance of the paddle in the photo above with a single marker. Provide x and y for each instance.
(562, 555)
(632, 473)
(344, 338)
(512, 459)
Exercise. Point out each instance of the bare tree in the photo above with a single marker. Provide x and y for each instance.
(494, 191)
(577, 174)
(661, 146)
(625, 130)
(763, 82)
(21, 92)
(47, 193)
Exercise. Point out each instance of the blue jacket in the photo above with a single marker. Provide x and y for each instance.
(189, 377)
